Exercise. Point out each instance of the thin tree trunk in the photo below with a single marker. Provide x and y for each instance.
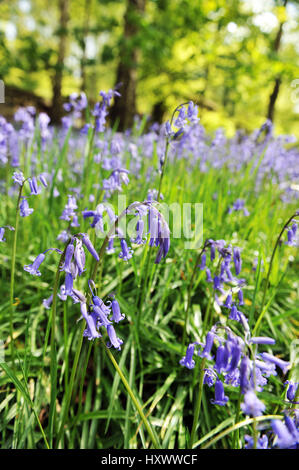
(124, 108)
(57, 81)
(86, 20)
(274, 95)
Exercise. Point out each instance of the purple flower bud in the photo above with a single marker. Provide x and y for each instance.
(43, 180)
(262, 340)
(240, 297)
(291, 391)
(283, 365)
(237, 260)
(33, 186)
(203, 261)
(89, 246)
(228, 302)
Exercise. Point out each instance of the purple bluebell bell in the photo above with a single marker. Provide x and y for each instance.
(220, 398)
(283, 365)
(126, 252)
(91, 331)
(188, 360)
(261, 340)
(284, 437)
(252, 406)
(222, 356)
(33, 186)
(209, 377)
(117, 316)
(86, 241)
(262, 442)
(25, 210)
(114, 340)
(47, 302)
(237, 260)
(203, 261)
(291, 390)
(18, 177)
(79, 256)
(2, 231)
(206, 352)
(69, 281)
(33, 268)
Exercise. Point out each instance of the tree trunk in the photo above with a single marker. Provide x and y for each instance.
(124, 108)
(277, 83)
(86, 21)
(56, 112)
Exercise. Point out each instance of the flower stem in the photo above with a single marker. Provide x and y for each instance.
(198, 402)
(12, 276)
(262, 310)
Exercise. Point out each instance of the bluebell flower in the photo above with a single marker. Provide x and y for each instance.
(188, 360)
(237, 260)
(240, 297)
(220, 398)
(33, 268)
(284, 437)
(47, 302)
(33, 186)
(86, 241)
(228, 301)
(203, 261)
(79, 256)
(114, 340)
(117, 316)
(126, 252)
(222, 355)
(283, 365)
(91, 331)
(262, 442)
(261, 340)
(206, 352)
(209, 377)
(291, 390)
(252, 406)
(244, 373)
(18, 177)
(25, 210)
(43, 180)
(69, 281)
(67, 267)
(2, 231)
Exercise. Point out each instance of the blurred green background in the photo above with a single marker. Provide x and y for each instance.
(237, 59)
